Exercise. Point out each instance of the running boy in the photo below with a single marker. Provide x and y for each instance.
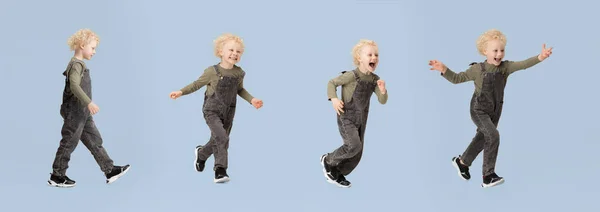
(77, 109)
(224, 82)
(352, 111)
(490, 79)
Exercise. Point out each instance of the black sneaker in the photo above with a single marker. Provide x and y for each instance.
(60, 181)
(329, 172)
(116, 173)
(463, 171)
(221, 175)
(199, 164)
(492, 180)
(342, 182)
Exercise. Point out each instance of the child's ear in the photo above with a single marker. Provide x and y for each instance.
(81, 46)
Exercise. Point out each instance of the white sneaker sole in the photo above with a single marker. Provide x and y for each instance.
(343, 186)
(116, 177)
(455, 164)
(53, 184)
(222, 180)
(325, 171)
(492, 184)
(196, 153)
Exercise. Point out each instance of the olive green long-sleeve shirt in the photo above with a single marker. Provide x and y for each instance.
(210, 79)
(348, 83)
(474, 72)
(75, 74)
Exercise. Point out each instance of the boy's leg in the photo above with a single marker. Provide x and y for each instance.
(219, 141)
(204, 153)
(349, 165)
(492, 141)
(474, 148)
(71, 133)
(92, 139)
(352, 143)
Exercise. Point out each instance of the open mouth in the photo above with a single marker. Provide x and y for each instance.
(233, 58)
(372, 65)
(498, 60)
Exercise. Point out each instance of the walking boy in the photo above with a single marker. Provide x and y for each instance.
(77, 109)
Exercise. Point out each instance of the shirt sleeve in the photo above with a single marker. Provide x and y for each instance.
(242, 92)
(382, 98)
(202, 81)
(460, 77)
(513, 66)
(75, 74)
(336, 82)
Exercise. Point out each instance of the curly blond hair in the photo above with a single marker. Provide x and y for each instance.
(82, 37)
(220, 41)
(492, 34)
(358, 47)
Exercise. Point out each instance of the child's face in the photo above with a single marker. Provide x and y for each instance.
(368, 58)
(231, 52)
(494, 52)
(89, 50)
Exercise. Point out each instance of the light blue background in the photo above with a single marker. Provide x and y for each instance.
(549, 128)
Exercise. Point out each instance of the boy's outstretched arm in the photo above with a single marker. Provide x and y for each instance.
(525, 64)
(242, 92)
(203, 80)
(451, 76)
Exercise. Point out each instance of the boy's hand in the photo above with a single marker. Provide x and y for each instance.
(257, 103)
(93, 108)
(438, 66)
(338, 105)
(545, 53)
(381, 85)
(175, 94)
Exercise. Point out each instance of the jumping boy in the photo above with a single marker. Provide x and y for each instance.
(77, 109)
(490, 79)
(352, 111)
(224, 82)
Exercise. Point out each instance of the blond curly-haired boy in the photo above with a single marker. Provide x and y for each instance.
(486, 104)
(77, 109)
(352, 111)
(224, 82)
